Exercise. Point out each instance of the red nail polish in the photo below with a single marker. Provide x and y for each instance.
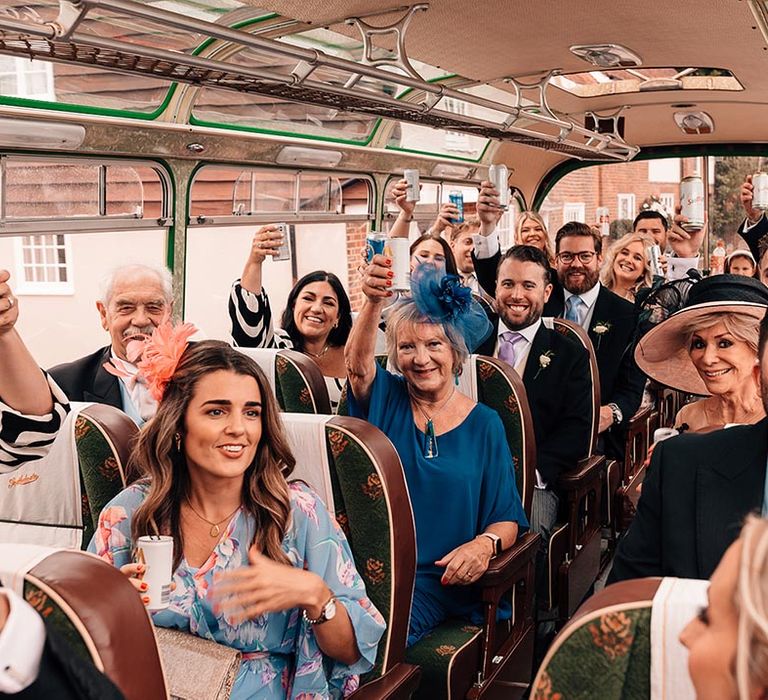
(389, 283)
(145, 600)
(390, 273)
(143, 587)
(389, 294)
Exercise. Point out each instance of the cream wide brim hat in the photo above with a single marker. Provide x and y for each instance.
(662, 353)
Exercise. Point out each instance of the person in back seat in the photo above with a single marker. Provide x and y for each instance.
(259, 563)
(454, 452)
(134, 301)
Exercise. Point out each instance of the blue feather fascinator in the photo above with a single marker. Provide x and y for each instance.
(442, 298)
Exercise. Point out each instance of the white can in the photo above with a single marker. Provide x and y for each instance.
(603, 219)
(498, 174)
(760, 191)
(692, 201)
(399, 249)
(284, 252)
(654, 260)
(156, 553)
(412, 178)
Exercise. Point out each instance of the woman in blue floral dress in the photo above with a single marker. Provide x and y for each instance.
(259, 564)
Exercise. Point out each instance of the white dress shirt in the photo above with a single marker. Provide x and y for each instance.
(589, 298)
(486, 246)
(21, 645)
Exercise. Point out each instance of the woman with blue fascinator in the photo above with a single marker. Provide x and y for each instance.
(454, 452)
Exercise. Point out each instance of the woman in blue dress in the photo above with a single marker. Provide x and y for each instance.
(454, 452)
(259, 564)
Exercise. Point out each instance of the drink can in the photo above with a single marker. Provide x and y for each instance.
(498, 174)
(692, 200)
(284, 252)
(654, 260)
(399, 249)
(412, 178)
(661, 434)
(156, 553)
(456, 198)
(374, 244)
(760, 192)
(603, 218)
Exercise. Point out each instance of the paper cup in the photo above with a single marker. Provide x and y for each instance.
(156, 552)
(661, 434)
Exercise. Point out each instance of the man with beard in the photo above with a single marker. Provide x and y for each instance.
(136, 299)
(555, 371)
(696, 494)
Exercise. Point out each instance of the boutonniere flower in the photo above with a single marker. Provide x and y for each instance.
(544, 361)
(600, 329)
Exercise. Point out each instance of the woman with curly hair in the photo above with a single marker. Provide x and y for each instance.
(259, 563)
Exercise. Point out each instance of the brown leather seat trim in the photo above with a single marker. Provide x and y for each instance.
(640, 589)
(120, 433)
(108, 607)
(308, 369)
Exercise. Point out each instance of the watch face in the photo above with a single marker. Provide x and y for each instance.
(330, 609)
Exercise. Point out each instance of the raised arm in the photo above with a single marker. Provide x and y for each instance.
(23, 386)
(361, 346)
(266, 241)
(487, 251)
(402, 226)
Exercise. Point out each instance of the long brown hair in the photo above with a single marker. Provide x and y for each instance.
(265, 490)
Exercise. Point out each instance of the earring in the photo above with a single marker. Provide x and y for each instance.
(456, 377)
(177, 441)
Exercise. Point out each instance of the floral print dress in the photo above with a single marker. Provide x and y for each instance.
(281, 658)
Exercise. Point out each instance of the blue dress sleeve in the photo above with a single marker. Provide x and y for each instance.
(499, 498)
(112, 539)
(387, 392)
(326, 552)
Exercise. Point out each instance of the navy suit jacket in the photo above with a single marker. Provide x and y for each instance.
(753, 236)
(87, 380)
(696, 494)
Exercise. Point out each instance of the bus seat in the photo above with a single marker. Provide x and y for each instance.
(614, 645)
(97, 611)
(104, 437)
(297, 381)
(580, 509)
(372, 506)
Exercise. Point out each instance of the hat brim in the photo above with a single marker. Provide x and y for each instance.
(662, 353)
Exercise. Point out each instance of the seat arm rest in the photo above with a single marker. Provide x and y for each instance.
(399, 683)
(505, 566)
(587, 470)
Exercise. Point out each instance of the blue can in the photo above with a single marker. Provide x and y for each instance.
(456, 198)
(374, 244)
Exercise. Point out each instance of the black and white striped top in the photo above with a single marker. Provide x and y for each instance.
(251, 320)
(25, 438)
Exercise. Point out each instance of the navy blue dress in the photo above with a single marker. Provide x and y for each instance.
(455, 496)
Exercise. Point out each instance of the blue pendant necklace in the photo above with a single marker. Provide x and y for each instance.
(430, 439)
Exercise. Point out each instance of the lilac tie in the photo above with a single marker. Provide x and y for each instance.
(508, 346)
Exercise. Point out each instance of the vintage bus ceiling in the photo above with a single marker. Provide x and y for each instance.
(126, 36)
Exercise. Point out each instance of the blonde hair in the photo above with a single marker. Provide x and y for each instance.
(752, 608)
(741, 326)
(534, 216)
(608, 276)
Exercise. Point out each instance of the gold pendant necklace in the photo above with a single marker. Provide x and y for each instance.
(215, 530)
(318, 355)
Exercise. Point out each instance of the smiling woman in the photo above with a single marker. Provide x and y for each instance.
(626, 267)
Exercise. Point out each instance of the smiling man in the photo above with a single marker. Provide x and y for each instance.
(135, 300)
(555, 371)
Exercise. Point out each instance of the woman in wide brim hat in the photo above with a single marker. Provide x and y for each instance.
(709, 348)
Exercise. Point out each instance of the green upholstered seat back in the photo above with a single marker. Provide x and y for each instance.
(299, 386)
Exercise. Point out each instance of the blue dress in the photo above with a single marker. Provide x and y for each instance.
(281, 658)
(455, 496)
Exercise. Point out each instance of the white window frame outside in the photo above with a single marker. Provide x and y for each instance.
(574, 211)
(456, 141)
(626, 206)
(668, 200)
(23, 285)
(23, 69)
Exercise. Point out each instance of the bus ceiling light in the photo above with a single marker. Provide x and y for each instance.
(457, 172)
(694, 122)
(309, 157)
(26, 132)
(607, 55)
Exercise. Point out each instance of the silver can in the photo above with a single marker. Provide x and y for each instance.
(412, 178)
(498, 174)
(284, 252)
(603, 219)
(692, 201)
(654, 260)
(760, 191)
(399, 249)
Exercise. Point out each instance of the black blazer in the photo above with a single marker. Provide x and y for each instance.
(753, 236)
(87, 380)
(695, 496)
(64, 675)
(560, 399)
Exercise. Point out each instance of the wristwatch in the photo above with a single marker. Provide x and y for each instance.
(496, 542)
(327, 612)
(618, 416)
